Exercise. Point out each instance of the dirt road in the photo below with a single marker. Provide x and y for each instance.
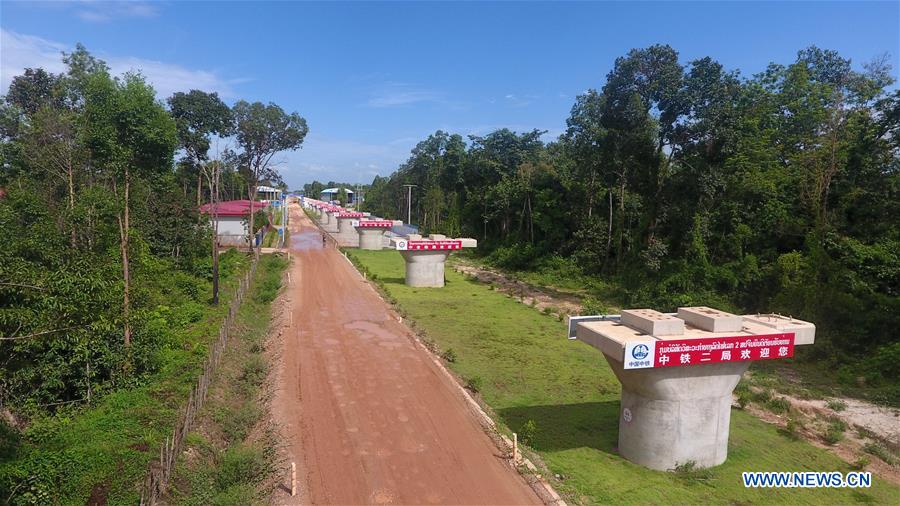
(369, 418)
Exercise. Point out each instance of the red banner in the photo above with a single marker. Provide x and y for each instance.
(713, 350)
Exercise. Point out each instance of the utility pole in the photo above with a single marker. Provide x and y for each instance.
(409, 188)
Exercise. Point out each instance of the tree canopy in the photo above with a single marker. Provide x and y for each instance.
(685, 183)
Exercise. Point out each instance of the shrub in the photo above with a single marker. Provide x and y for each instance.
(241, 465)
(449, 355)
(236, 423)
(834, 433)
(860, 463)
(743, 399)
(254, 370)
(836, 405)
(591, 306)
(778, 405)
(792, 429)
(689, 473)
(529, 432)
(474, 383)
(881, 452)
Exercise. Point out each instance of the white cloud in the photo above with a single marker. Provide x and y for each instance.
(20, 51)
(520, 101)
(393, 94)
(100, 12)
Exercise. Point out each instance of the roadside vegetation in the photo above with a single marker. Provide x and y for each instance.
(682, 183)
(231, 452)
(101, 449)
(562, 398)
(110, 282)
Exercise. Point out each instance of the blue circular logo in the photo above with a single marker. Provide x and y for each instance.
(640, 351)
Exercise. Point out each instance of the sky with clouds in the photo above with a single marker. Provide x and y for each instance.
(374, 78)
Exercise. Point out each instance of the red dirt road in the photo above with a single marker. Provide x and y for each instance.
(368, 417)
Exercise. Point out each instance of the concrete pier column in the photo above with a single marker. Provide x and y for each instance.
(425, 268)
(346, 234)
(332, 225)
(674, 415)
(678, 371)
(371, 238)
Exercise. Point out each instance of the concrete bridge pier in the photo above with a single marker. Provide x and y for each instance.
(371, 238)
(347, 235)
(425, 268)
(678, 371)
(331, 226)
(673, 415)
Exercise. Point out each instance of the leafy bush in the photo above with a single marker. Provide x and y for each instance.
(836, 404)
(239, 465)
(449, 355)
(881, 452)
(516, 257)
(237, 423)
(778, 405)
(834, 432)
(592, 306)
(792, 428)
(474, 383)
(254, 371)
(529, 432)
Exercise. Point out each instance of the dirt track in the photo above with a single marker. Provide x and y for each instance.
(368, 417)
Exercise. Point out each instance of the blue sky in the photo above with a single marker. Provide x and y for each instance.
(372, 79)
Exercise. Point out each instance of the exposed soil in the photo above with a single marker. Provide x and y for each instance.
(368, 416)
(141, 447)
(538, 297)
(98, 495)
(849, 449)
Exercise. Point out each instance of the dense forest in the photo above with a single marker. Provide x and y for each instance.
(688, 184)
(105, 255)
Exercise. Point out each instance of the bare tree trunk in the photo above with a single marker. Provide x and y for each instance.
(126, 275)
(71, 176)
(252, 194)
(530, 220)
(214, 190)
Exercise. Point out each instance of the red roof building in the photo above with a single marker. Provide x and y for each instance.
(233, 207)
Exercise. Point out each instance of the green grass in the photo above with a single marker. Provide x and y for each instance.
(227, 463)
(563, 394)
(109, 445)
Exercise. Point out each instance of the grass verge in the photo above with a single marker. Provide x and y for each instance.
(230, 452)
(564, 396)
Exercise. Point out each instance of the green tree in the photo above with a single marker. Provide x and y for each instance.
(262, 132)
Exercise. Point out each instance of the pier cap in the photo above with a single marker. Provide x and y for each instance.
(373, 224)
(644, 338)
(426, 245)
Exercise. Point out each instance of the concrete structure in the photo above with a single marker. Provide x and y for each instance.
(678, 372)
(371, 233)
(232, 220)
(346, 233)
(425, 258)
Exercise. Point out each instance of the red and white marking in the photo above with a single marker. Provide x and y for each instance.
(707, 350)
(373, 224)
(423, 245)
